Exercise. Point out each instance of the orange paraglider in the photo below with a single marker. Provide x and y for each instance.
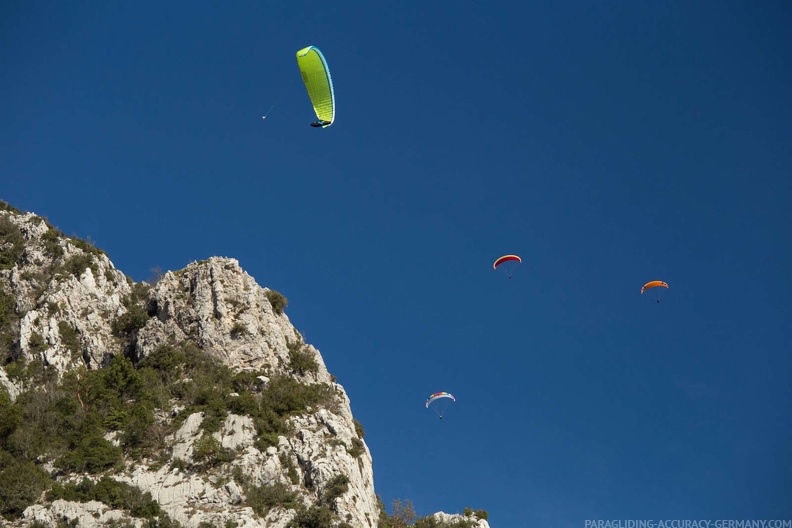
(654, 284)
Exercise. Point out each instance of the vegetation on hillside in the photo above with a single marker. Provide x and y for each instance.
(403, 516)
(67, 422)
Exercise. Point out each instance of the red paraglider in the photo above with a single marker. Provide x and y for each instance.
(509, 263)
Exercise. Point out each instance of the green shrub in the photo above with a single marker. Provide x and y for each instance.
(119, 381)
(119, 523)
(239, 329)
(208, 452)
(23, 483)
(359, 429)
(180, 464)
(5, 206)
(12, 243)
(383, 519)
(245, 381)
(10, 416)
(163, 521)
(7, 309)
(9, 324)
(215, 410)
(92, 454)
(137, 305)
(137, 425)
(165, 358)
(167, 362)
(51, 241)
(263, 498)
(46, 422)
(16, 370)
(116, 494)
(277, 300)
(429, 522)
(285, 395)
(86, 246)
(138, 296)
(27, 443)
(432, 522)
(244, 404)
(130, 322)
(291, 469)
(37, 342)
(335, 488)
(313, 517)
(357, 449)
(402, 516)
(77, 264)
(301, 360)
(269, 425)
(115, 419)
(69, 337)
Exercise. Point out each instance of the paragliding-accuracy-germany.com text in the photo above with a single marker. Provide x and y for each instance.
(688, 523)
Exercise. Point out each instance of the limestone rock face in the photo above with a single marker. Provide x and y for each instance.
(450, 519)
(67, 296)
(217, 304)
(73, 309)
(64, 306)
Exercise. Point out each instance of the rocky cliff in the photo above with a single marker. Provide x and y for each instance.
(192, 401)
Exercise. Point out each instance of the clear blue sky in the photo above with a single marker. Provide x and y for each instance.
(607, 143)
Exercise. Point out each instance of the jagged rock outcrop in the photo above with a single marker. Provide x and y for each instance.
(76, 310)
(222, 308)
(67, 293)
(451, 519)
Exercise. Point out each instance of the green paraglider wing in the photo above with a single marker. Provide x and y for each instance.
(316, 76)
